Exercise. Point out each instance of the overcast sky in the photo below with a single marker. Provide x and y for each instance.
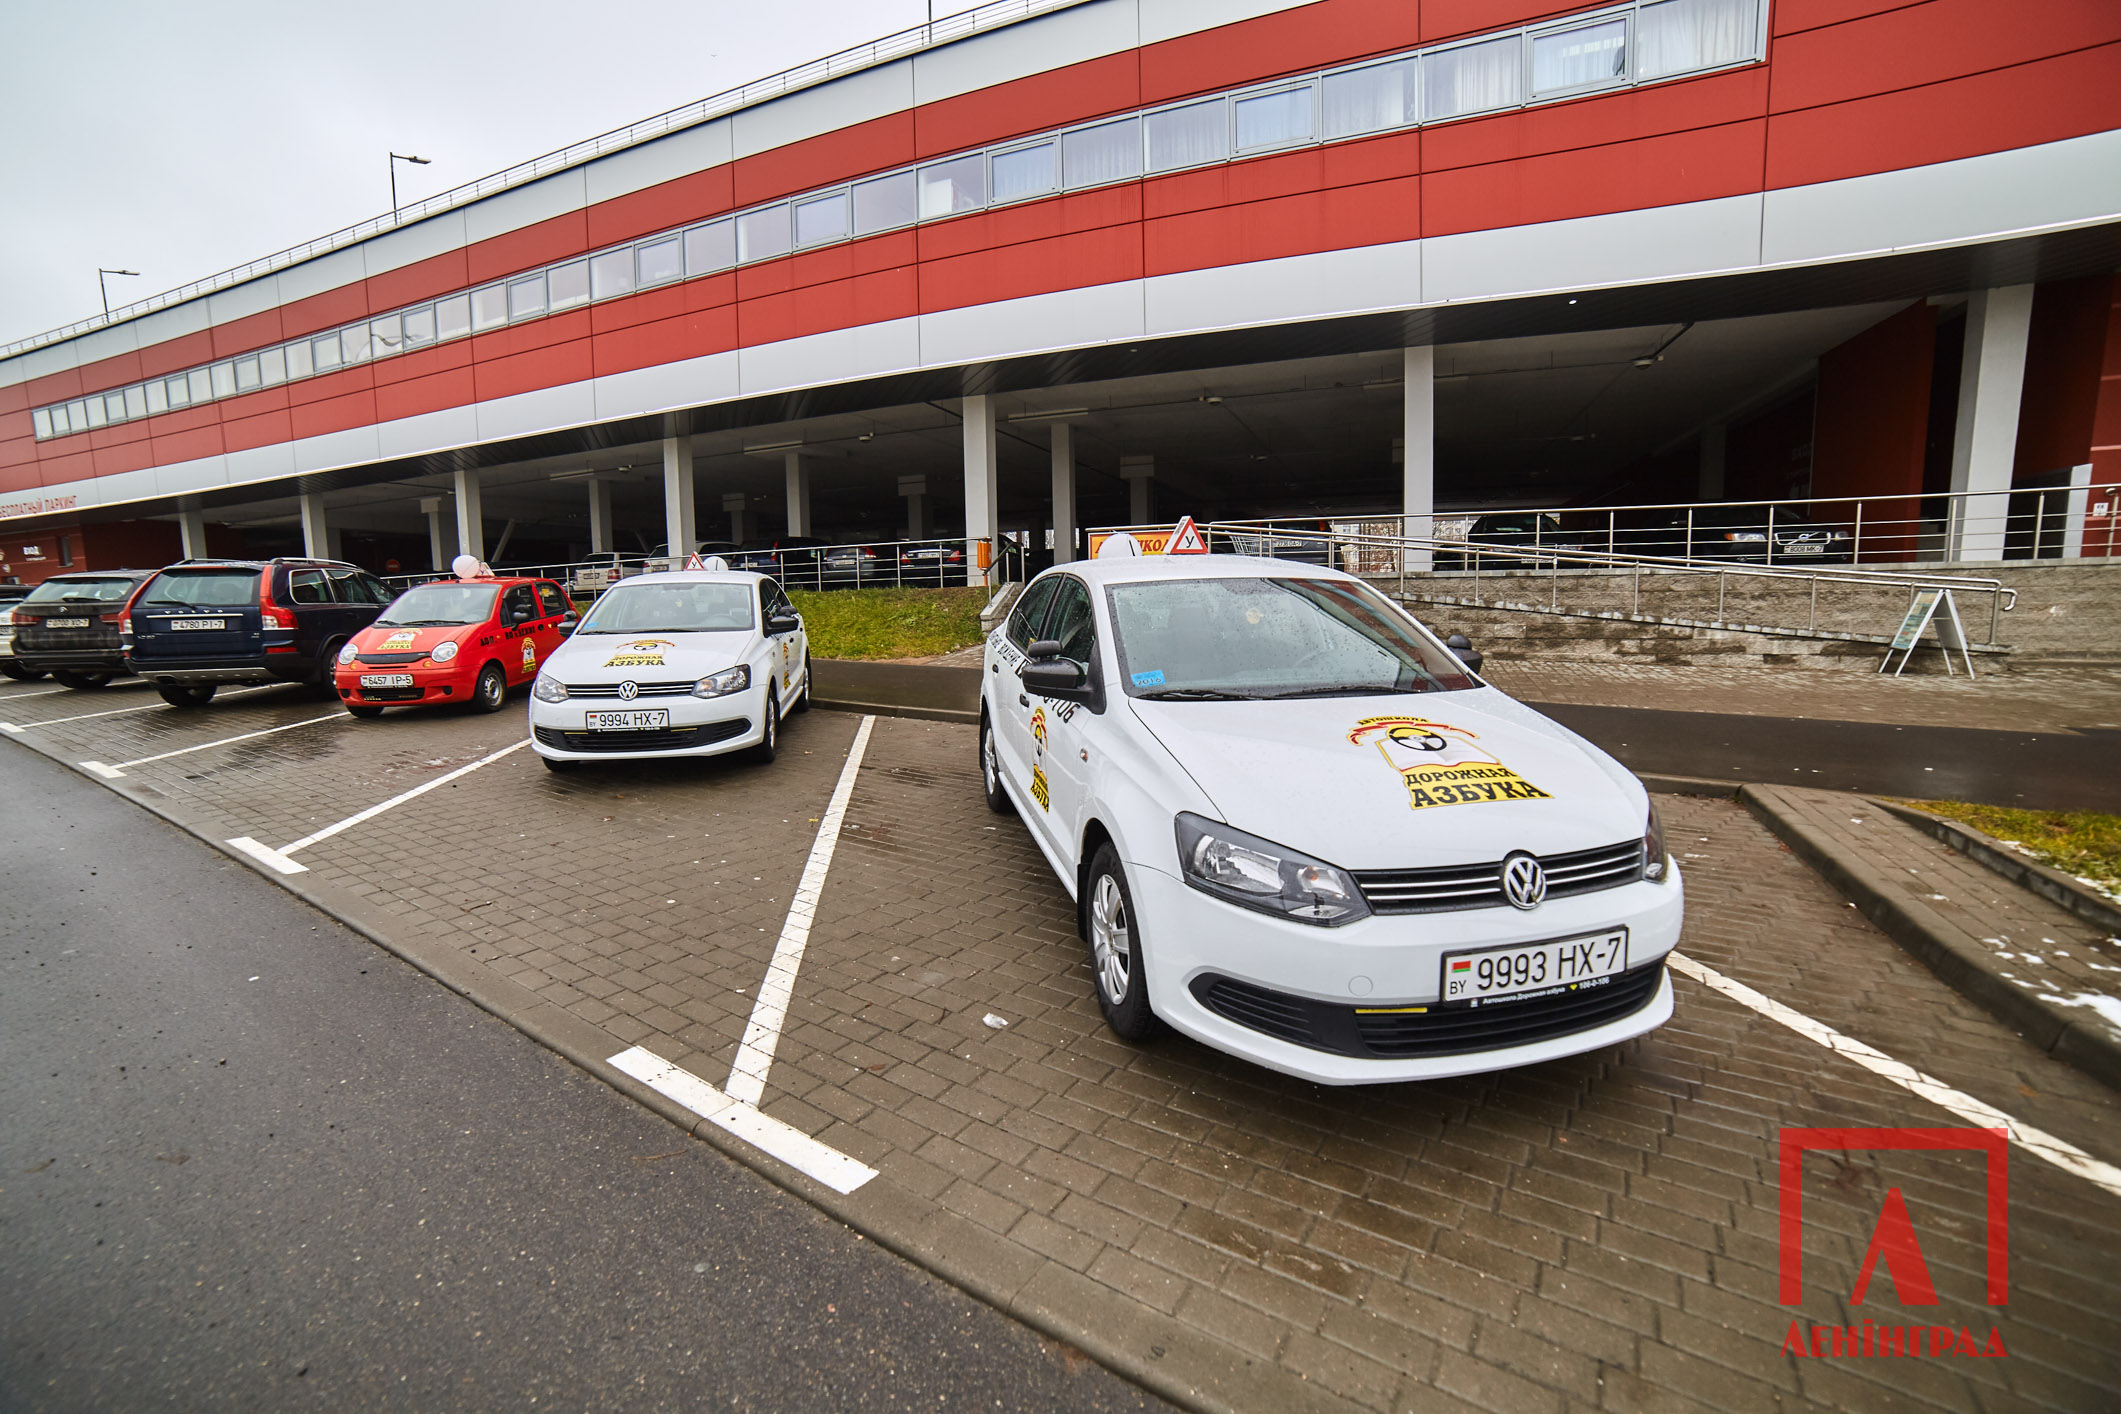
(181, 140)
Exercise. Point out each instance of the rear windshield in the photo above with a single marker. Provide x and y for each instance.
(437, 605)
(202, 589)
(81, 591)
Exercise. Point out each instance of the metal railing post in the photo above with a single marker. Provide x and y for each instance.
(1856, 545)
(1689, 540)
(1771, 534)
(1609, 525)
(2039, 523)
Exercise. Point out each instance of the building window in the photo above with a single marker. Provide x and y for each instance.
(1584, 57)
(762, 235)
(821, 220)
(950, 187)
(611, 274)
(1371, 100)
(41, 420)
(1188, 136)
(489, 308)
(1109, 152)
(661, 261)
(136, 398)
(710, 247)
(249, 376)
(526, 298)
(1024, 172)
(419, 326)
(1676, 36)
(272, 367)
(1276, 119)
(1474, 78)
(567, 286)
(453, 316)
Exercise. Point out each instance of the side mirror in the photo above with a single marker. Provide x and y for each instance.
(783, 623)
(567, 626)
(521, 616)
(1467, 654)
(1057, 678)
(1044, 648)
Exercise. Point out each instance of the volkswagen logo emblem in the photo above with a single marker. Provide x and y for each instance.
(630, 690)
(1524, 883)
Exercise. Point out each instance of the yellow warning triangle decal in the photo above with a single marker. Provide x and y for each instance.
(1186, 540)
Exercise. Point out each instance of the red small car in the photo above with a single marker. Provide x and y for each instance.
(454, 640)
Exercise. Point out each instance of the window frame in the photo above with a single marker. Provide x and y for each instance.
(1314, 82)
(1533, 34)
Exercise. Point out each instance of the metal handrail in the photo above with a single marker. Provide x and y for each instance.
(799, 567)
(862, 56)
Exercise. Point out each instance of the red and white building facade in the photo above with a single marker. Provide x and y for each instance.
(999, 218)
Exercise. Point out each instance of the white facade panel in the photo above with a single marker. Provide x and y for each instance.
(1021, 50)
(681, 154)
(568, 405)
(857, 98)
(114, 490)
(2075, 181)
(352, 447)
(525, 205)
(411, 244)
(242, 301)
(260, 463)
(172, 323)
(100, 344)
(1168, 19)
(707, 379)
(1100, 314)
(198, 474)
(428, 432)
(837, 356)
(322, 272)
(1293, 287)
(1661, 243)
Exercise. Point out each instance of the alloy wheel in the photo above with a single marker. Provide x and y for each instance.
(1111, 939)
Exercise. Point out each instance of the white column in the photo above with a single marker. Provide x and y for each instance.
(1714, 438)
(316, 533)
(471, 522)
(733, 504)
(2080, 497)
(599, 516)
(797, 474)
(1985, 443)
(1140, 475)
(437, 547)
(915, 490)
(982, 492)
(678, 532)
(1063, 492)
(1418, 446)
(191, 532)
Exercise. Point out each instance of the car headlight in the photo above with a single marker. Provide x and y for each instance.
(723, 683)
(1747, 535)
(1255, 873)
(444, 651)
(548, 689)
(1656, 863)
(347, 653)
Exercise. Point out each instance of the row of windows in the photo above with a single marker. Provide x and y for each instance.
(1643, 41)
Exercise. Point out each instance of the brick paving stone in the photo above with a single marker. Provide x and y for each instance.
(1490, 1241)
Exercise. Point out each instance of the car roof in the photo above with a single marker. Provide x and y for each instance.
(692, 577)
(1131, 569)
(83, 574)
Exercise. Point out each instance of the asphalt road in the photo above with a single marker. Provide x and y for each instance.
(2034, 770)
(247, 1158)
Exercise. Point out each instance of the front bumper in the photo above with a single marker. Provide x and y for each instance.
(1193, 941)
(698, 726)
(430, 683)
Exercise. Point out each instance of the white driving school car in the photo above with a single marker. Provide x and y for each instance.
(691, 663)
(1300, 830)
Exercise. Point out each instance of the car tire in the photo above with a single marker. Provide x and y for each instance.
(490, 692)
(186, 694)
(990, 771)
(561, 767)
(1116, 974)
(80, 680)
(19, 673)
(363, 709)
(802, 703)
(770, 744)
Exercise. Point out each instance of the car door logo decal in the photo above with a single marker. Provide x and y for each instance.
(640, 653)
(1441, 764)
(530, 654)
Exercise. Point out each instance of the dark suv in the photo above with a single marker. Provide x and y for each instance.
(68, 626)
(201, 623)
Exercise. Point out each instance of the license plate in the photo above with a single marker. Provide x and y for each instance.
(66, 623)
(182, 624)
(386, 679)
(1804, 547)
(1534, 970)
(630, 721)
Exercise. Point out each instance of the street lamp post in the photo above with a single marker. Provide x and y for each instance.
(395, 159)
(105, 290)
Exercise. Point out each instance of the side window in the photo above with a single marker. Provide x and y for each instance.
(1030, 611)
(307, 587)
(1072, 622)
(378, 591)
(346, 586)
(518, 603)
(550, 599)
(781, 602)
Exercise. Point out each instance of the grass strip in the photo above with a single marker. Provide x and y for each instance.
(2083, 843)
(890, 623)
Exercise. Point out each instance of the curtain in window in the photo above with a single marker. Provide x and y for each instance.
(1576, 57)
(1475, 78)
(1367, 100)
(1677, 35)
(1188, 136)
(1109, 152)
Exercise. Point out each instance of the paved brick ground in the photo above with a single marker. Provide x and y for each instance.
(1593, 1233)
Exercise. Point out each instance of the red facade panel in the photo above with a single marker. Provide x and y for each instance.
(429, 392)
(827, 158)
(533, 369)
(421, 280)
(1050, 100)
(1088, 257)
(1932, 42)
(1310, 36)
(177, 355)
(189, 444)
(250, 332)
(528, 248)
(310, 316)
(660, 207)
(1690, 166)
(1796, 16)
(1373, 214)
(2065, 347)
(692, 335)
(265, 429)
(1871, 420)
(128, 456)
(1595, 122)
(1448, 19)
(337, 414)
(113, 372)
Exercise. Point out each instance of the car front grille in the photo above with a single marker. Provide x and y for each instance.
(1480, 885)
(644, 689)
(389, 657)
(672, 739)
(1395, 1033)
(392, 694)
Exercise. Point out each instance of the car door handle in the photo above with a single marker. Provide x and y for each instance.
(1022, 700)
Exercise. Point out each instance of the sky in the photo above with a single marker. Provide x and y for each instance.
(182, 140)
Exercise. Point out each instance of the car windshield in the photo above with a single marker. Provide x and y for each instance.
(81, 591)
(202, 589)
(439, 605)
(1209, 639)
(671, 608)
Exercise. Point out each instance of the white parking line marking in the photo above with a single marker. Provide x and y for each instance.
(279, 859)
(762, 1131)
(114, 772)
(40, 692)
(13, 729)
(2059, 1152)
(747, 1078)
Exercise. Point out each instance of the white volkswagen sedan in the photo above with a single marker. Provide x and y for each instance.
(1298, 829)
(693, 663)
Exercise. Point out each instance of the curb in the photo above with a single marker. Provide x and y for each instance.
(1175, 1362)
(1957, 959)
(892, 709)
(1689, 785)
(2051, 884)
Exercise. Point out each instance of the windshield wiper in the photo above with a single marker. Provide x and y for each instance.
(1196, 694)
(420, 623)
(1344, 689)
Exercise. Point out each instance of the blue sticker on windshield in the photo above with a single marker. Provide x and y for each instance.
(1150, 679)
